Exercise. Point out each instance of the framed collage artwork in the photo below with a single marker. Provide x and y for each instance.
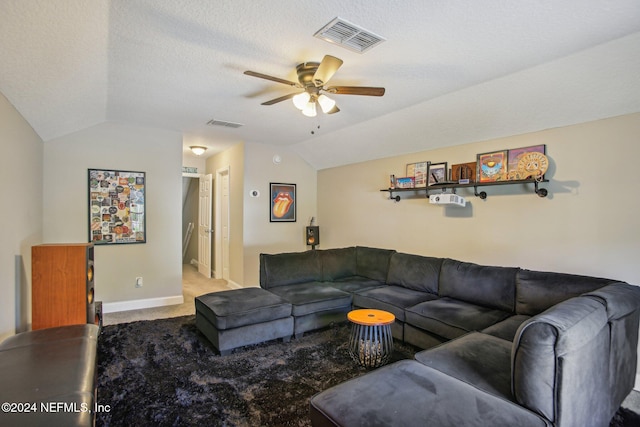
(116, 207)
(282, 202)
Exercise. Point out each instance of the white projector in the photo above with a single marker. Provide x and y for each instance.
(447, 199)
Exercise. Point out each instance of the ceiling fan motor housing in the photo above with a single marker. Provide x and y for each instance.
(306, 71)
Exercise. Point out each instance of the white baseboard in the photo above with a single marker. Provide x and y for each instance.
(112, 307)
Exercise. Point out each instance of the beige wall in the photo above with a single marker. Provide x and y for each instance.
(233, 158)
(21, 215)
(251, 233)
(118, 146)
(588, 224)
(261, 235)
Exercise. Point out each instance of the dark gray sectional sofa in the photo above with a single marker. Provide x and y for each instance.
(504, 346)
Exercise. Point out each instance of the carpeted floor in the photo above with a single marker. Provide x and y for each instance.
(165, 373)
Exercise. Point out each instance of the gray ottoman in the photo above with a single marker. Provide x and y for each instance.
(239, 317)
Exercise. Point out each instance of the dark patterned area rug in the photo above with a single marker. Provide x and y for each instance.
(165, 373)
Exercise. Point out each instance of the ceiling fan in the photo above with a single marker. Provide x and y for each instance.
(312, 77)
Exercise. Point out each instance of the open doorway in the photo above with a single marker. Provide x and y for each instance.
(197, 237)
(190, 185)
(197, 229)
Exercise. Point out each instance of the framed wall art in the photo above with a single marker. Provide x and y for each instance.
(464, 173)
(116, 207)
(419, 172)
(492, 166)
(437, 172)
(515, 169)
(282, 202)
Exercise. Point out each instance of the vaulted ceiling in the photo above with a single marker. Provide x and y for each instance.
(454, 71)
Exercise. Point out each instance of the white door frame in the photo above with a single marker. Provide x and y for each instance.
(218, 237)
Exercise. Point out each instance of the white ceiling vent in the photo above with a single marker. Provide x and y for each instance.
(348, 35)
(214, 122)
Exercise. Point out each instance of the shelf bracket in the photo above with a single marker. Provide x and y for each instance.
(482, 194)
(395, 198)
(541, 192)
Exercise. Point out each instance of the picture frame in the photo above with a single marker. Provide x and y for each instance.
(492, 166)
(418, 171)
(464, 173)
(406, 182)
(436, 173)
(117, 201)
(516, 153)
(282, 202)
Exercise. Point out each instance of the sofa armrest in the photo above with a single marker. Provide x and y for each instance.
(54, 366)
(622, 303)
(550, 356)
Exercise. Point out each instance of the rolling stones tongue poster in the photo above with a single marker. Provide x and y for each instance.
(116, 206)
(283, 203)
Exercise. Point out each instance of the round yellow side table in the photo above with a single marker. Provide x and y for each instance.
(371, 342)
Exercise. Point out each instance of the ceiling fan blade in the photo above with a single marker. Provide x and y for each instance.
(326, 70)
(273, 79)
(334, 110)
(282, 98)
(356, 90)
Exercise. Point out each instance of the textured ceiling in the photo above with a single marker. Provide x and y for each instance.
(456, 71)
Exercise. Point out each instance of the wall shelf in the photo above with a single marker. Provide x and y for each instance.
(541, 192)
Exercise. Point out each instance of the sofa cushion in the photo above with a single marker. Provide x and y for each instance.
(410, 394)
(559, 363)
(241, 307)
(393, 299)
(338, 263)
(451, 318)
(355, 284)
(479, 284)
(536, 291)
(312, 297)
(414, 272)
(481, 360)
(289, 268)
(373, 262)
(507, 328)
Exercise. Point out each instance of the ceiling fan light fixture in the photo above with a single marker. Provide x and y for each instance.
(310, 109)
(198, 150)
(326, 103)
(301, 100)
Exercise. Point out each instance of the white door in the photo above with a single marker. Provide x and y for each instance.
(223, 235)
(224, 220)
(204, 225)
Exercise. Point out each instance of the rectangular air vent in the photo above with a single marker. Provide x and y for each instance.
(214, 122)
(348, 35)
